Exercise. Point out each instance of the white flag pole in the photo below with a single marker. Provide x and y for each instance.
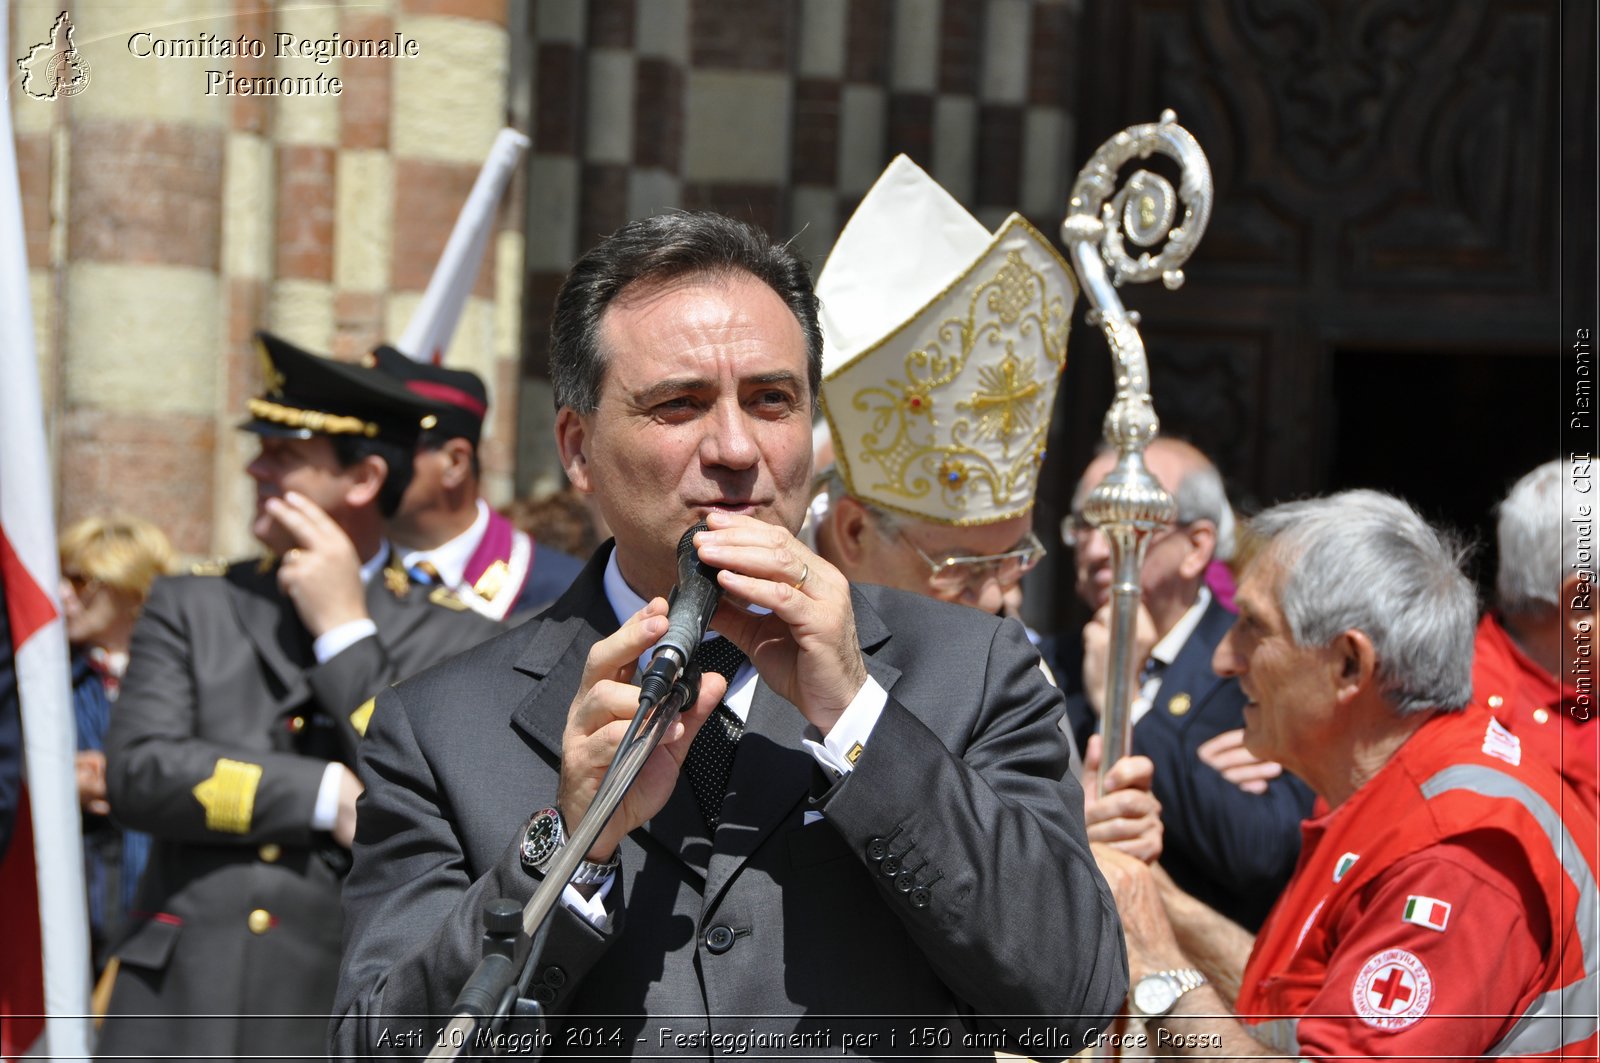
(434, 322)
(30, 571)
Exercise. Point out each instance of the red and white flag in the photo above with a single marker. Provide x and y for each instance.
(41, 990)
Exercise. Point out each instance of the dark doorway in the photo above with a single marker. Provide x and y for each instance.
(1449, 431)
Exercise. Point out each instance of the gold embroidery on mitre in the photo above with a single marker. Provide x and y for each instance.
(987, 457)
(493, 581)
(363, 716)
(229, 795)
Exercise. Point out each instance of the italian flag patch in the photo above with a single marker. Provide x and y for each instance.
(1427, 911)
(1346, 862)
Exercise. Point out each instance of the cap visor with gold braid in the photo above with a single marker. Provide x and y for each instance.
(308, 395)
(943, 347)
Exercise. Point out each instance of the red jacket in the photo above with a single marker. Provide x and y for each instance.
(1447, 909)
(1555, 725)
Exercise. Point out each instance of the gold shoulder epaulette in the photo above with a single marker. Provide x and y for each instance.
(446, 597)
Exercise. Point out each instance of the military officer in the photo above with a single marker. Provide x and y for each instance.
(445, 532)
(248, 690)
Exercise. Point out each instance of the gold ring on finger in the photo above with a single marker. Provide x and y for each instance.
(805, 574)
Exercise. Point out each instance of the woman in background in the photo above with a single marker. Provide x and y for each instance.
(107, 567)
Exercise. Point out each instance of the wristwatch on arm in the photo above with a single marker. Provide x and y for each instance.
(544, 837)
(1157, 994)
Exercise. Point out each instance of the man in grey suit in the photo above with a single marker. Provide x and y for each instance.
(892, 863)
(245, 697)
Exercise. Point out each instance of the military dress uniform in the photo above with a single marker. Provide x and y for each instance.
(504, 573)
(224, 731)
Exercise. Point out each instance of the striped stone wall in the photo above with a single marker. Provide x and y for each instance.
(165, 224)
(781, 112)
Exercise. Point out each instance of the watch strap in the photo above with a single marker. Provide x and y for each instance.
(590, 873)
(1185, 978)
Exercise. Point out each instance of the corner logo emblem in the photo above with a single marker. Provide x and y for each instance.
(55, 68)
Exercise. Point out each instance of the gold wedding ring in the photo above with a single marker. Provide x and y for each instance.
(805, 574)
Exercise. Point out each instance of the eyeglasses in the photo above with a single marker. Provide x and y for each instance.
(1076, 528)
(956, 573)
(82, 585)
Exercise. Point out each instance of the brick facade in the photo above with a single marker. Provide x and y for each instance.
(165, 224)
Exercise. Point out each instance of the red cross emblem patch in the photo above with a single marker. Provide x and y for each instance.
(1392, 991)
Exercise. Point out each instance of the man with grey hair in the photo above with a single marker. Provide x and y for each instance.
(1441, 907)
(1533, 662)
(1231, 848)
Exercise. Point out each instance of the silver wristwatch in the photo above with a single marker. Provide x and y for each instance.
(545, 835)
(1156, 994)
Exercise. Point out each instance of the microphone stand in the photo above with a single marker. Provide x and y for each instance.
(498, 986)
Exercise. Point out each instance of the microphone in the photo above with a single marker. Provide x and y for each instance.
(689, 611)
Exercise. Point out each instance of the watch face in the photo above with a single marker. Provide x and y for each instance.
(544, 837)
(1155, 994)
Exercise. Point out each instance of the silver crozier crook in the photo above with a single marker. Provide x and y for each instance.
(1129, 505)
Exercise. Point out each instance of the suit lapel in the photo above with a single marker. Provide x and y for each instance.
(1190, 675)
(772, 771)
(270, 622)
(556, 650)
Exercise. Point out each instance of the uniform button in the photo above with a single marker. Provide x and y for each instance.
(920, 896)
(554, 977)
(1495, 701)
(877, 849)
(297, 724)
(270, 852)
(544, 994)
(719, 939)
(891, 866)
(260, 921)
(904, 881)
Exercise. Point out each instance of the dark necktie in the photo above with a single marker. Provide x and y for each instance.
(710, 759)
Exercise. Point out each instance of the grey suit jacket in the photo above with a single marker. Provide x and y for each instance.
(217, 747)
(995, 919)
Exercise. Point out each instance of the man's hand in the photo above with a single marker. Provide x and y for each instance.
(344, 824)
(805, 648)
(1097, 652)
(1152, 946)
(1227, 754)
(1128, 816)
(91, 772)
(604, 705)
(321, 574)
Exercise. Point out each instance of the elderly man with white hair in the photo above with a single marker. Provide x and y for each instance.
(1441, 907)
(1232, 849)
(1533, 663)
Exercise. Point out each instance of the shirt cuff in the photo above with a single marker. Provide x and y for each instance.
(837, 752)
(591, 910)
(326, 812)
(330, 644)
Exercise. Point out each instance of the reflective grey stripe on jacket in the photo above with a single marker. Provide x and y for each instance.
(1561, 1016)
(1555, 1019)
